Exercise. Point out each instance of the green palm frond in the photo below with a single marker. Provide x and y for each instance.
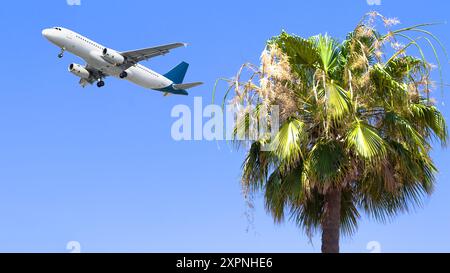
(400, 126)
(338, 101)
(327, 162)
(365, 141)
(382, 204)
(308, 216)
(328, 50)
(283, 190)
(388, 87)
(401, 67)
(349, 212)
(301, 52)
(428, 116)
(256, 167)
(411, 166)
(287, 145)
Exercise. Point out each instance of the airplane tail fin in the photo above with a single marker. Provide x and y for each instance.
(177, 73)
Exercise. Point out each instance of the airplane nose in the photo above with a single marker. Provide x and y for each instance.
(45, 33)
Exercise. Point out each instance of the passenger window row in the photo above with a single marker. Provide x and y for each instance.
(89, 42)
(148, 71)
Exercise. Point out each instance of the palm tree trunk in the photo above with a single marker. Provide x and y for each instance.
(331, 221)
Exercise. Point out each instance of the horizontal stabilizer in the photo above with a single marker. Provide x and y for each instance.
(182, 86)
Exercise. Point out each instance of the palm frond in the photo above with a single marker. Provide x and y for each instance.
(365, 141)
(430, 117)
(328, 50)
(338, 101)
(256, 167)
(400, 126)
(287, 145)
(327, 162)
(301, 52)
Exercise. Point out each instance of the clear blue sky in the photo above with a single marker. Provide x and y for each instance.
(99, 166)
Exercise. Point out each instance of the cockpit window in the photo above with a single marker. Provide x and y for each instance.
(57, 28)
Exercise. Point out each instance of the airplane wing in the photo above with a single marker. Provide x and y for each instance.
(136, 56)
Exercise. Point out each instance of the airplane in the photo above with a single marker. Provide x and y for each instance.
(102, 62)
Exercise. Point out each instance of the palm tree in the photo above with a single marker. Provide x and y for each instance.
(357, 126)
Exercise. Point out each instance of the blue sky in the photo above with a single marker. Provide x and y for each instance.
(99, 166)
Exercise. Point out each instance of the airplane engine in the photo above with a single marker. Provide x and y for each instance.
(112, 56)
(79, 71)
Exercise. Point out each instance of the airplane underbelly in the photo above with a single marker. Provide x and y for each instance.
(95, 60)
(136, 74)
(146, 80)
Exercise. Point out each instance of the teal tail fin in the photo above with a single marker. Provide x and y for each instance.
(177, 73)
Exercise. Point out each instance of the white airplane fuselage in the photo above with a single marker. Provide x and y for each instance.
(91, 52)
